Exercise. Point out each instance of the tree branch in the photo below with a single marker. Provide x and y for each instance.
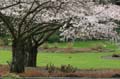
(9, 25)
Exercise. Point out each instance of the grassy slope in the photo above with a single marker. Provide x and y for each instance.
(79, 60)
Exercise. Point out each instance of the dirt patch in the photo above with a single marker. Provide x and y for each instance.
(97, 49)
(4, 69)
(106, 73)
(99, 73)
(75, 50)
(41, 72)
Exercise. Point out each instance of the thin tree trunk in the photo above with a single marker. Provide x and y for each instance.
(18, 56)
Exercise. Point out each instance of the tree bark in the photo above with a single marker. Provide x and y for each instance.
(32, 57)
(18, 56)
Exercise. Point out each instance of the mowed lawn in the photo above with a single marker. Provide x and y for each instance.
(80, 60)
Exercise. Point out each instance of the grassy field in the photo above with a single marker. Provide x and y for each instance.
(80, 60)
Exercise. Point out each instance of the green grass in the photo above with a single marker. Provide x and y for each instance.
(80, 60)
(5, 56)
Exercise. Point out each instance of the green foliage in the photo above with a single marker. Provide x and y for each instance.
(12, 76)
(118, 28)
(54, 37)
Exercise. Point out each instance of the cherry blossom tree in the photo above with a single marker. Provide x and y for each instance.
(25, 19)
(31, 22)
(99, 24)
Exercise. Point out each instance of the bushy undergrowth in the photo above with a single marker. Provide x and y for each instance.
(68, 68)
(64, 68)
(50, 67)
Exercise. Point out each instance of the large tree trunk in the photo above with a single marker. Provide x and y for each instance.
(32, 57)
(18, 56)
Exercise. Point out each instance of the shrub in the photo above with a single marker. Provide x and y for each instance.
(45, 45)
(51, 68)
(70, 45)
(68, 68)
(55, 45)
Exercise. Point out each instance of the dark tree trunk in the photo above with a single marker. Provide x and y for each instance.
(18, 56)
(32, 57)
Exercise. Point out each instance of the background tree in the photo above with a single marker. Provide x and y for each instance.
(98, 24)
